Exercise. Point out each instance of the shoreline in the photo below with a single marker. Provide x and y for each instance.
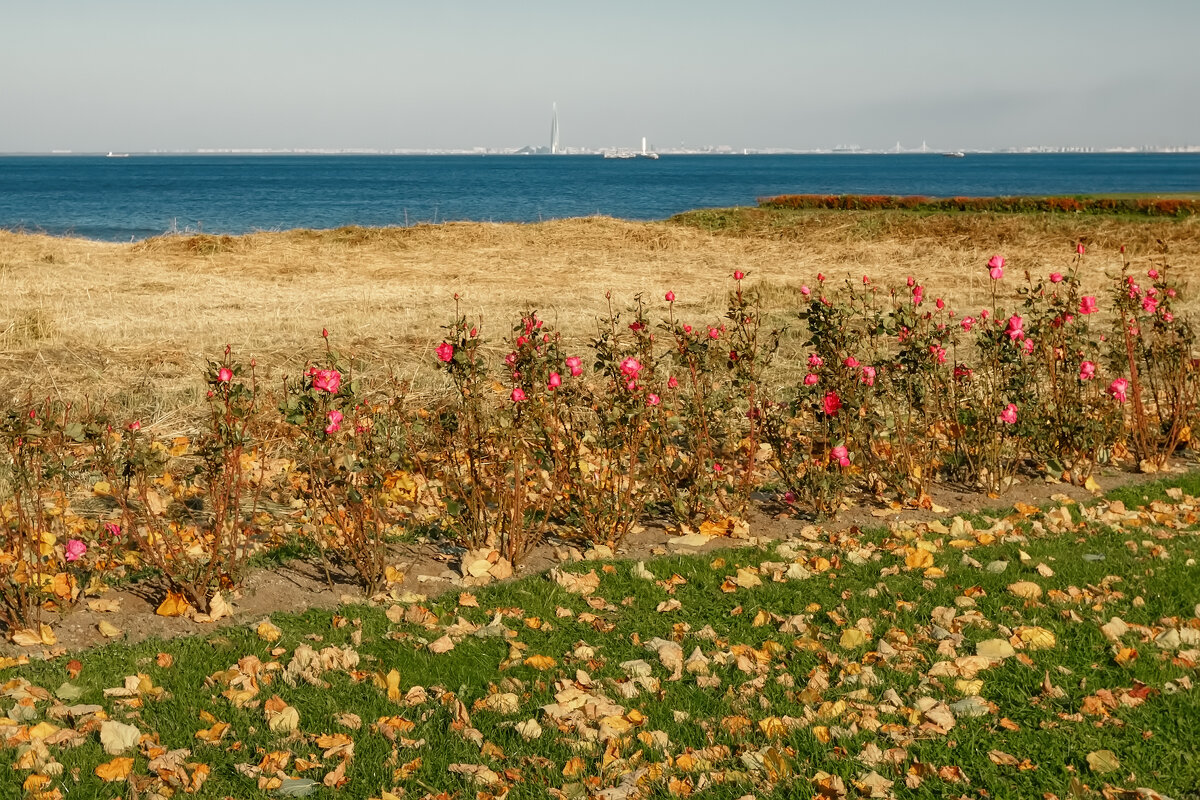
(1131, 206)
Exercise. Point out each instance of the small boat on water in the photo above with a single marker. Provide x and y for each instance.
(111, 154)
(955, 154)
(627, 153)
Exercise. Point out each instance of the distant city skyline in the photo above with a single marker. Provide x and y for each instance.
(771, 75)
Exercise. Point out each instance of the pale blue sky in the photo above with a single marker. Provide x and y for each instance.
(132, 75)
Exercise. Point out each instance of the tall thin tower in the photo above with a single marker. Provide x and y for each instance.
(554, 130)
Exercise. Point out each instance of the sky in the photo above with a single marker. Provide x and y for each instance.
(132, 76)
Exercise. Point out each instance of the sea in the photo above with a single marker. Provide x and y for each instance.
(140, 196)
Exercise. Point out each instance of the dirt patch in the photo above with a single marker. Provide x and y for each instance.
(430, 568)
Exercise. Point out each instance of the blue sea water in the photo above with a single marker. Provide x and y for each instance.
(118, 199)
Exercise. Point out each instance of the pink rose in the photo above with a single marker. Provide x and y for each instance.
(1009, 415)
(1118, 388)
(135, 425)
(815, 360)
(714, 333)
(1149, 303)
(996, 273)
(841, 455)
(967, 323)
(1028, 348)
(804, 290)
(851, 362)
(940, 303)
(518, 395)
(866, 281)
(918, 294)
(444, 351)
(327, 380)
(672, 382)
(868, 376)
(1079, 248)
(75, 549)
(996, 262)
(554, 381)
(910, 281)
(1087, 305)
(224, 375)
(630, 367)
(575, 366)
(653, 399)
(1016, 328)
(831, 403)
(1087, 371)
(335, 422)
(670, 297)
(811, 379)
(738, 274)
(1152, 274)
(1056, 277)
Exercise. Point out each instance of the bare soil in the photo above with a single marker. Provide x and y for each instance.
(431, 569)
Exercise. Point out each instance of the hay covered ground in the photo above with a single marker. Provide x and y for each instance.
(131, 325)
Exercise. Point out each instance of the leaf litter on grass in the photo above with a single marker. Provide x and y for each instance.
(883, 663)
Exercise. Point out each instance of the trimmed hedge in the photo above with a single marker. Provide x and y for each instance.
(1151, 207)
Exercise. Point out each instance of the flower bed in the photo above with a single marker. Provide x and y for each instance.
(683, 419)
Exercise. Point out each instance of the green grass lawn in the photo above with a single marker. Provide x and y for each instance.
(824, 668)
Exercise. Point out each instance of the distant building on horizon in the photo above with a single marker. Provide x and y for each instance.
(554, 143)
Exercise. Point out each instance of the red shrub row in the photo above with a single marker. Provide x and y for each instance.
(1086, 205)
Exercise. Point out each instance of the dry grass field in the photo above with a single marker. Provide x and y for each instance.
(131, 325)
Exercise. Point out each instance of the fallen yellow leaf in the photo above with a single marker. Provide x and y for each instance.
(268, 631)
(42, 635)
(541, 662)
(214, 734)
(918, 559)
(116, 770)
(773, 727)
(393, 686)
(1103, 761)
(852, 638)
(1125, 655)
(1036, 638)
(175, 605)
